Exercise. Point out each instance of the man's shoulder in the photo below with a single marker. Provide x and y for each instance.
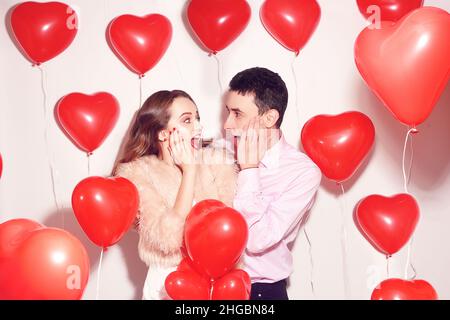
(291, 154)
(298, 160)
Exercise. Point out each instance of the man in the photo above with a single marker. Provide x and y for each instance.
(276, 184)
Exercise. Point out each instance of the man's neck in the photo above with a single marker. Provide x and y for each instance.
(274, 136)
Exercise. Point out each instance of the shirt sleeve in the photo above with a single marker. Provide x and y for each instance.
(270, 221)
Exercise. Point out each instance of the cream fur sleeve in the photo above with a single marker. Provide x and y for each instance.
(159, 226)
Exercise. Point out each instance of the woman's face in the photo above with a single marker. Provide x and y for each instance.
(185, 118)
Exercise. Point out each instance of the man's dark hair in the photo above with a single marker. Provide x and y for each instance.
(268, 88)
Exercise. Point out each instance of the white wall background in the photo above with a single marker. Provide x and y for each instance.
(328, 82)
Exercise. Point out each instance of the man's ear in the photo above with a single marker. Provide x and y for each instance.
(270, 118)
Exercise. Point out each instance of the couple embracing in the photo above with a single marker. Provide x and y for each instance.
(267, 180)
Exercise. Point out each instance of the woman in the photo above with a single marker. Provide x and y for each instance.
(164, 158)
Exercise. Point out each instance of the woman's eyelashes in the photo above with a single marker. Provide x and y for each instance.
(189, 120)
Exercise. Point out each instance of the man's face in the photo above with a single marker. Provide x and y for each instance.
(241, 109)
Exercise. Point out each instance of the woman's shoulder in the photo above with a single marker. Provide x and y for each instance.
(140, 165)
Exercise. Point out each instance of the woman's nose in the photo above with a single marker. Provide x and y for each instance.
(198, 126)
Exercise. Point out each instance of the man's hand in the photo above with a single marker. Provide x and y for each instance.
(252, 145)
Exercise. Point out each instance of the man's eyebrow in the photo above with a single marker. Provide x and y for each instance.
(190, 113)
(234, 109)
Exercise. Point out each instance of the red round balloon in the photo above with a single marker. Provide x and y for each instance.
(140, 42)
(217, 23)
(407, 64)
(43, 30)
(291, 22)
(39, 263)
(88, 119)
(388, 222)
(235, 285)
(399, 289)
(187, 285)
(338, 144)
(105, 208)
(390, 10)
(215, 237)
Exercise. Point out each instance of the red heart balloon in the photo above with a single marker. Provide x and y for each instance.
(338, 144)
(43, 30)
(187, 265)
(235, 285)
(416, 49)
(388, 222)
(215, 237)
(291, 22)
(39, 263)
(187, 285)
(390, 10)
(140, 42)
(217, 23)
(105, 208)
(88, 119)
(398, 289)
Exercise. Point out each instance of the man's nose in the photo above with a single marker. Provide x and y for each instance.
(228, 124)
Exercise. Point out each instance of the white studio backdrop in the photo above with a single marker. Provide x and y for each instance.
(328, 83)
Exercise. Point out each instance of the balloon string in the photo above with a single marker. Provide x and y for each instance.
(140, 92)
(88, 164)
(47, 147)
(296, 89)
(219, 73)
(211, 289)
(311, 261)
(387, 267)
(99, 270)
(408, 261)
(406, 180)
(407, 177)
(344, 244)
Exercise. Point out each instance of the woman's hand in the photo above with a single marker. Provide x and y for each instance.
(182, 151)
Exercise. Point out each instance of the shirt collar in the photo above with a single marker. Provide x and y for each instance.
(273, 155)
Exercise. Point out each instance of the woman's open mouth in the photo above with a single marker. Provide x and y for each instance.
(196, 142)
